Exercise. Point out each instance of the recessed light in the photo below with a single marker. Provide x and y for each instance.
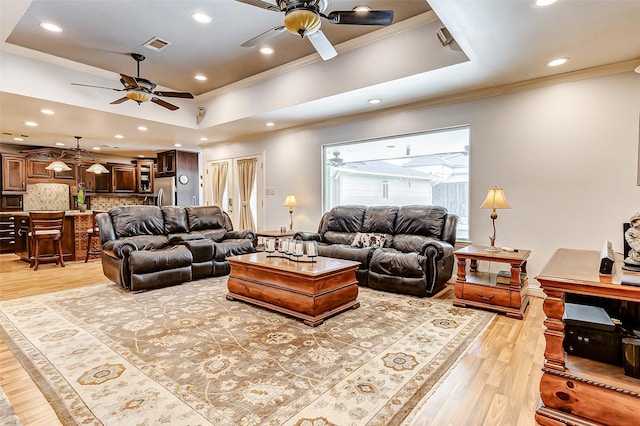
(96, 148)
(140, 156)
(204, 139)
(177, 145)
(119, 137)
(59, 144)
(543, 3)
(51, 27)
(374, 101)
(47, 111)
(18, 139)
(31, 123)
(200, 17)
(362, 9)
(266, 51)
(637, 69)
(270, 124)
(557, 62)
(200, 77)
(142, 128)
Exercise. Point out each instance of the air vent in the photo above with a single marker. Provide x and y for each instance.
(156, 44)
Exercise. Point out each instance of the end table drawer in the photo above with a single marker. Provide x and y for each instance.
(491, 294)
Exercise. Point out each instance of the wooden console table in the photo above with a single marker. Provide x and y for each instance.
(481, 290)
(574, 390)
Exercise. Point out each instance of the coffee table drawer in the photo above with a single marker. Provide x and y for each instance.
(495, 295)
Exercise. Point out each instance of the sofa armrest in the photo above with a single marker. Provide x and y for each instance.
(307, 236)
(244, 234)
(442, 249)
(120, 248)
(105, 226)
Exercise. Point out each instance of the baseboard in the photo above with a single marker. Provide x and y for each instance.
(536, 292)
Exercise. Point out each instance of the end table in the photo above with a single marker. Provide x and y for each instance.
(480, 289)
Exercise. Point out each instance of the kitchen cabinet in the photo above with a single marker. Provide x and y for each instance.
(11, 202)
(38, 169)
(22, 246)
(145, 176)
(13, 173)
(123, 178)
(7, 233)
(166, 163)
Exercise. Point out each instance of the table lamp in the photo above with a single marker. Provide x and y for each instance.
(290, 202)
(495, 200)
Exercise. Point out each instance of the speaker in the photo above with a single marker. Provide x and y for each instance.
(444, 36)
(606, 259)
(200, 115)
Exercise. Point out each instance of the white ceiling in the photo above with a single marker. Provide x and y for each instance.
(498, 42)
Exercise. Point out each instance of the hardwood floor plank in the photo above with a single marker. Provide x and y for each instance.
(496, 383)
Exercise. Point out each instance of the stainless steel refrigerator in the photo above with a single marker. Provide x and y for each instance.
(165, 191)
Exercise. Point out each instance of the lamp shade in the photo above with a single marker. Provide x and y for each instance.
(290, 201)
(98, 169)
(495, 199)
(58, 166)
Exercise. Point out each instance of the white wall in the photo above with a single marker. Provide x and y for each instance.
(566, 155)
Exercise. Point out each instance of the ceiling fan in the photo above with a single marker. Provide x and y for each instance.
(302, 17)
(141, 89)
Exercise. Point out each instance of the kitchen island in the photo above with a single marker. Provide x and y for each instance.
(74, 235)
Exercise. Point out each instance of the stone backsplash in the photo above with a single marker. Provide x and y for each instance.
(104, 203)
(46, 196)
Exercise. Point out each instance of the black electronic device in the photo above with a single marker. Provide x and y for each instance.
(590, 333)
(606, 259)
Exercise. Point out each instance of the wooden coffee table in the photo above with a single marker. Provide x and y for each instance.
(309, 291)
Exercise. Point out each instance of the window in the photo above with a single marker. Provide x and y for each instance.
(421, 168)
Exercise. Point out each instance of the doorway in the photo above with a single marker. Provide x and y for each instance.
(224, 185)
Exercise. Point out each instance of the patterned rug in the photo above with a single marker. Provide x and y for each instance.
(185, 355)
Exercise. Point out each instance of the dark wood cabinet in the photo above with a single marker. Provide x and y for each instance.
(7, 233)
(14, 176)
(145, 176)
(123, 178)
(167, 163)
(38, 169)
(11, 202)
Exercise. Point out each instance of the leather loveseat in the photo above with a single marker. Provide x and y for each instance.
(406, 249)
(145, 247)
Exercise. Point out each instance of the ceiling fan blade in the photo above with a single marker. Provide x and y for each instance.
(267, 35)
(373, 17)
(99, 87)
(260, 4)
(185, 95)
(322, 45)
(129, 80)
(165, 104)
(119, 101)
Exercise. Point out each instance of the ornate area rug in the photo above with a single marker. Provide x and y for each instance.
(185, 355)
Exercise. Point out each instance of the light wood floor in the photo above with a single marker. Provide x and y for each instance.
(496, 383)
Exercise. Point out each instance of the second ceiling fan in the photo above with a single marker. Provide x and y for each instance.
(302, 17)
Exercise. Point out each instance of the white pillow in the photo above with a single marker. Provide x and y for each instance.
(369, 240)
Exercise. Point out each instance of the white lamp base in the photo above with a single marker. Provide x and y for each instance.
(492, 248)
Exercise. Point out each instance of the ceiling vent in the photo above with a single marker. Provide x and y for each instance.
(156, 44)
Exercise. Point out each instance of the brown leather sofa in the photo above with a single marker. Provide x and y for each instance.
(406, 249)
(145, 247)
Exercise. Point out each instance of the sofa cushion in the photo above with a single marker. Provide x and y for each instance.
(380, 219)
(216, 235)
(205, 217)
(420, 220)
(232, 248)
(152, 261)
(369, 240)
(345, 219)
(411, 243)
(346, 238)
(175, 220)
(130, 221)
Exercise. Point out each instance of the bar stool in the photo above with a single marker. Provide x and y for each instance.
(90, 233)
(45, 226)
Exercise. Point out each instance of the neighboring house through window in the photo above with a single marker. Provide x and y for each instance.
(430, 168)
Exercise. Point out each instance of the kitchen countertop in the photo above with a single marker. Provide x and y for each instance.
(67, 213)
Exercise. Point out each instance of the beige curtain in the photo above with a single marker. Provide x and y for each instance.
(219, 181)
(246, 178)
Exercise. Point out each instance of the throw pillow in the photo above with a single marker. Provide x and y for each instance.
(369, 240)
